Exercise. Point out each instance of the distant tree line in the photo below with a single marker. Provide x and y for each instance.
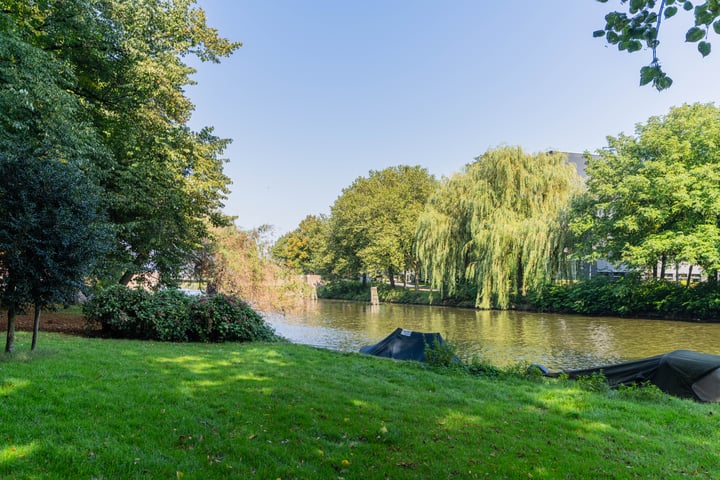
(512, 223)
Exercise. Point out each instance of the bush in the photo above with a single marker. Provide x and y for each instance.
(168, 312)
(222, 318)
(121, 311)
(170, 315)
(630, 296)
(440, 354)
(345, 290)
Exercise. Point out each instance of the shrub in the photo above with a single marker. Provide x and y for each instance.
(481, 367)
(630, 296)
(222, 318)
(345, 290)
(121, 311)
(170, 315)
(593, 383)
(403, 295)
(168, 312)
(645, 391)
(440, 354)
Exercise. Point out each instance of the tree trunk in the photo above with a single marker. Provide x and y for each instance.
(391, 274)
(140, 261)
(10, 340)
(663, 259)
(127, 276)
(689, 276)
(36, 327)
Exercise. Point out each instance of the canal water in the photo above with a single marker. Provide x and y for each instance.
(559, 342)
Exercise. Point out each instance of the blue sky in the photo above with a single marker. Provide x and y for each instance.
(323, 91)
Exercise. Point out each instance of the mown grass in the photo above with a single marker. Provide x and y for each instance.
(107, 409)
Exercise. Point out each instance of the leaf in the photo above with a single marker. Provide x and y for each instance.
(612, 38)
(688, 5)
(663, 82)
(695, 34)
(670, 11)
(634, 46)
(636, 5)
(703, 16)
(716, 27)
(598, 33)
(704, 48)
(648, 74)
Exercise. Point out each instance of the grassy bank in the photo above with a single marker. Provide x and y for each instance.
(110, 409)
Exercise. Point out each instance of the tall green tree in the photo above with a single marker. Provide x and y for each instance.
(638, 24)
(51, 235)
(372, 223)
(163, 183)
(50, 226)
(305, 248)
(499, 225)
(653, 197)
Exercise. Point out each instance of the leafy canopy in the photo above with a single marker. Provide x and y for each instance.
(639, 24)
(372, 223)
(499, 225)
(655, 196)
(121, 61)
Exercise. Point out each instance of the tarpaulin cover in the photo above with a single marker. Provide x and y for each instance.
(404, 345)
(682, 373)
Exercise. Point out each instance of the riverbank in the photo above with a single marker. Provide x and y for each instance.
(629, 296)
(92, 408)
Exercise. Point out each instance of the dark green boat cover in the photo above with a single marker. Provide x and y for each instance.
(404, 345)
(682, 373)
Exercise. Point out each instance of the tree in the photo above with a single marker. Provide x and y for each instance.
(49, 221)
(654, 197)
(163, 183)
(372, 223)
(499, 225)
(639, 23)
(305, 248)
(240, 267)
(51, 234)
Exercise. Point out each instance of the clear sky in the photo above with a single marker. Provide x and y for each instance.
(323, 91)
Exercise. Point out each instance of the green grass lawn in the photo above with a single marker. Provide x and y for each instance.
(83, 408)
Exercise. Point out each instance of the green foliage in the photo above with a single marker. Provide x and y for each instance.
(630, 296)
(407, 296)
(372, 223)
(168, 312)
(644, 392)
(223, 318)
(170, 315)
(594, 383)
(640, 24)
(121, 311)
(652, 198)
(111, 74)
(305, 248)
(500, 225)
(441, 354)
(51, 233)
(481, 367)
(345, 290)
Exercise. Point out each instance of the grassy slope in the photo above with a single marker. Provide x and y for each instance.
(104, 409)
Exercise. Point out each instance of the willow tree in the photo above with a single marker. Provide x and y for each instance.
(499, 225)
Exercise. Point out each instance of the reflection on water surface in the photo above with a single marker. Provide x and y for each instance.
(503, 338)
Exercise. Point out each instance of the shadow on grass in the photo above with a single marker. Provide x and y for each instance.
(125, 409)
